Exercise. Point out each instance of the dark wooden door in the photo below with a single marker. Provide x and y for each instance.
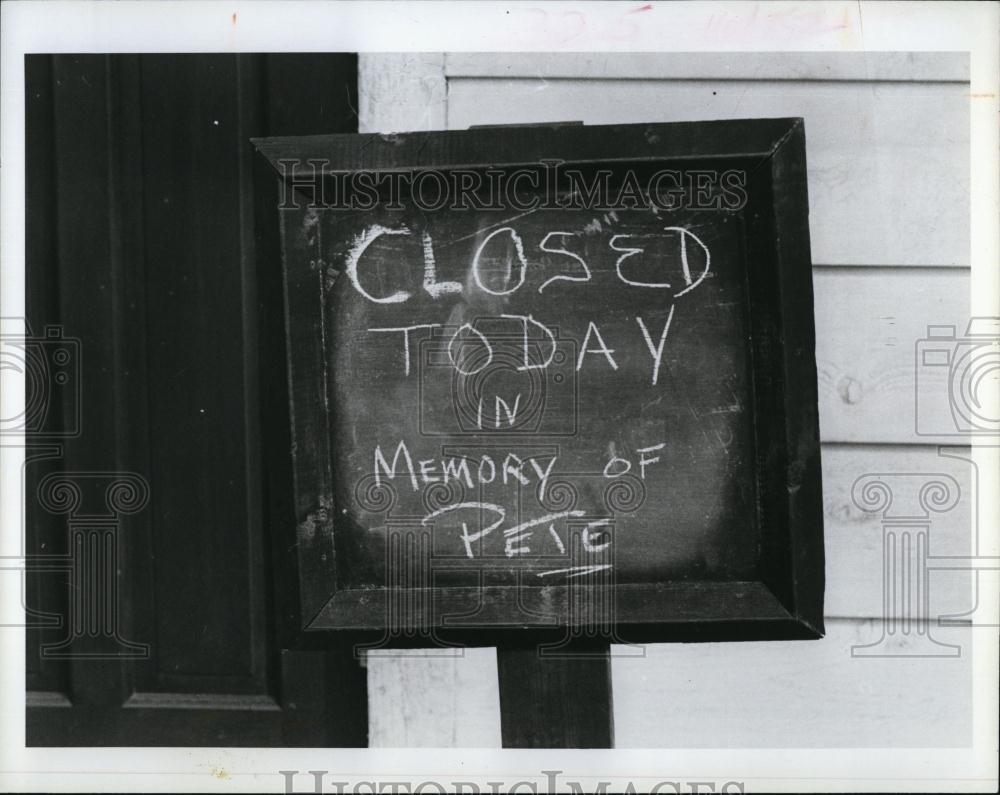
(157, 488)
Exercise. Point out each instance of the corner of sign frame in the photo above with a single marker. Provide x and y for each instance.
(813, 628)
(795, 132)
(269, 150)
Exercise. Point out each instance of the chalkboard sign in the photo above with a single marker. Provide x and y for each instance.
(553, 379)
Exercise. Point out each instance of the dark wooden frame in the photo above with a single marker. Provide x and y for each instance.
(786, 602)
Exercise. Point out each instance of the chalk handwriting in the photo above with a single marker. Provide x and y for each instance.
(522, 261)
(564, 252)
(584, 350)
(595, 536)
(576, 571)
(512, 468)
(361, 243)
(552, 244)
(500, 266)
(656, 351)
(406, 340)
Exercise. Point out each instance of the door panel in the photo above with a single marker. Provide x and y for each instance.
(160, 614)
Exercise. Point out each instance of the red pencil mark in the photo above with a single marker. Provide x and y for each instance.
(647, 7)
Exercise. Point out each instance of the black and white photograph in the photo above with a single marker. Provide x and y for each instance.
(500, 397)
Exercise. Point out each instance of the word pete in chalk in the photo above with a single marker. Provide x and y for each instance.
(546, 186)
(503, 251)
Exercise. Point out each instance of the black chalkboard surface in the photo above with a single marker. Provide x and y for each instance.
(553, 380)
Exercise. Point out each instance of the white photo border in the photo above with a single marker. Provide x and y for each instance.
(194, 26)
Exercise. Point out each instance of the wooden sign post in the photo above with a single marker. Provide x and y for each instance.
(553, 389)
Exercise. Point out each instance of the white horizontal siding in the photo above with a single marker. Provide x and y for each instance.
(795, 694)
(887, 162)
(888, 153)
(868, 324)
